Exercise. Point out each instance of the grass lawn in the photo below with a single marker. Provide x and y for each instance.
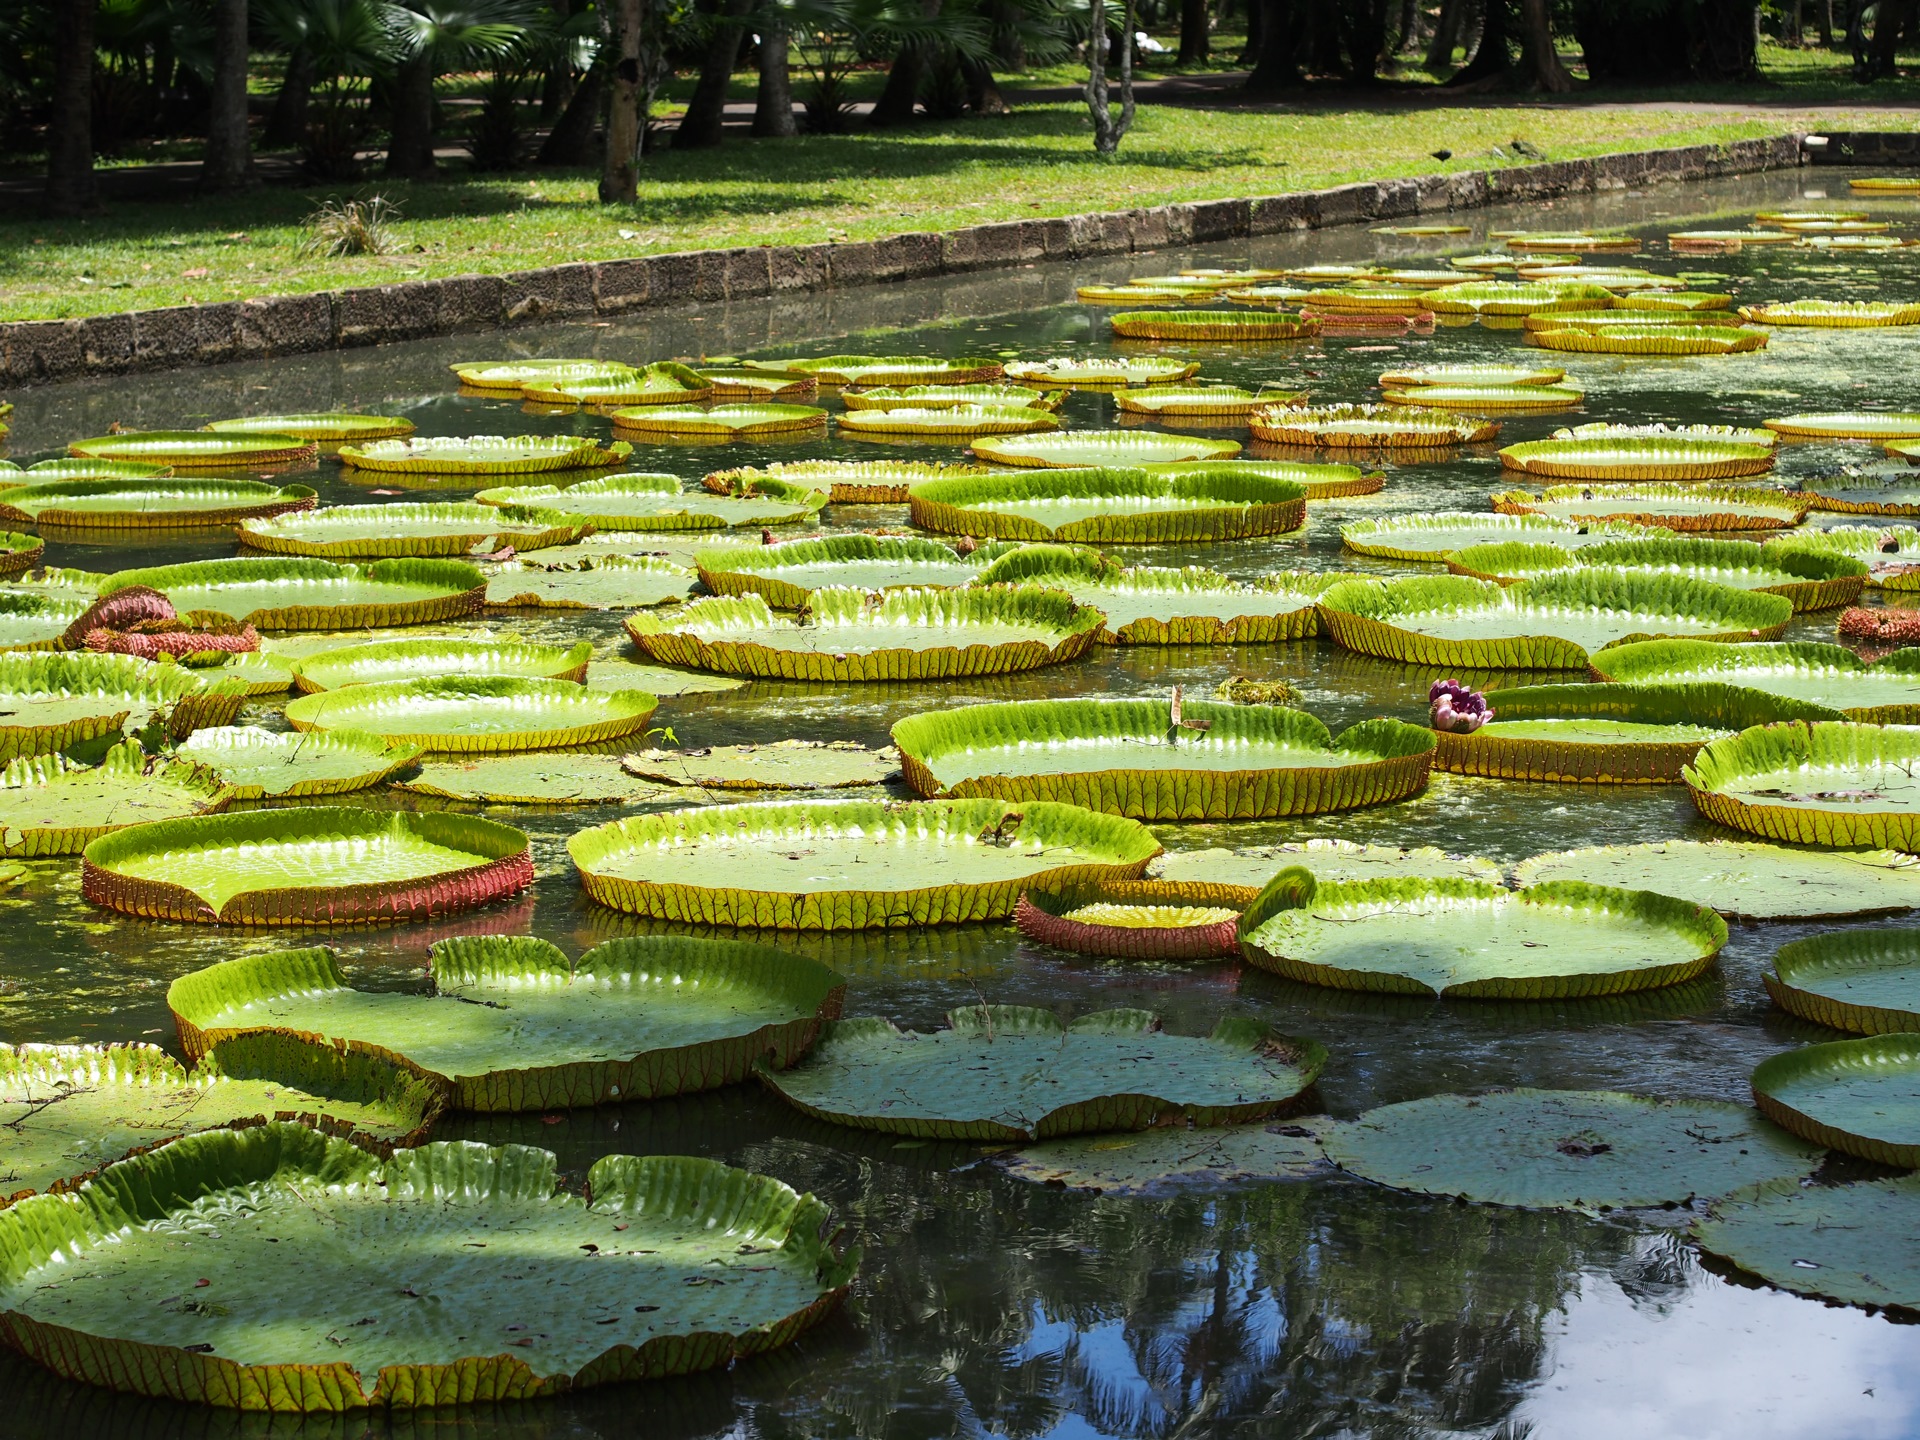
(1037, 162)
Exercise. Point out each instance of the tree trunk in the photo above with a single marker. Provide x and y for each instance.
(570, 141)
(1256, 32)
(1363, 38)
(1826, 24)
(620, 173)
(1107, 131)
(287, 125)
(1009, 45)
(704, 123)
(1446, 34)
(1491, 57)
(71, 188)
(1409, 27)
(1277, 65)
(1194, 38)
(1544, 70)
(983, 91)
(773, 101)
(410, 146)
(228, 164)
(1890, 21)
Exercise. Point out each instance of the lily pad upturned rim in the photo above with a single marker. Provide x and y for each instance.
(1800, 742)
(1659, 660)
(229, 501)
(728, 420)
(1031, 452)
(1812, 580)
(326, 670)
(74, 824)
(1233, 327)
(784, 503)
(356, 707)
(849, 482)
(1695, 339)
(1364, 536)
(466, 527)
(122, 684)
(437, 455)
(321, 427)
(1749, 507)
(750, 569)
(196, 449)
(1227, 504)
(1409, 427)
(462, 589)
(1799, 962)
(1659, 459)
(1897, 1051)
(383, 760)
(1043, 915)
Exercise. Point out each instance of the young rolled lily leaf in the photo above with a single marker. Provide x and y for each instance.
(197, 449)
(1130, 920)
(512, 1024)
(1553, 623)
(1489, 399)
(1099, 372)
(1610, 734)
(1665, 506)
(1367, 427)
(422, 1228)
(1884, 693)
(1436, 536)
(255, 764)
(1866, 981)
(1507, 297)
(1811, 580)
(1849, 425)
(1467, 373)
(1081, 449)
(1860, 1097)
(50, 806)
(1174, 1160)
(1567, 1149)
(657, 502)
(483, 455)
(149, 504)
(1112, 506)
(949, 422)
(490, 714)
(1469, 940)
(782, 765)
(1833, 314)
(848, 864)
(662, 383)
(51, 703)
(1891, 553)
(1655, 457)
(1838, 1242)
(368, 532)
(565, 778)
(388, 661)
(312, 594)
(327, 429)
(1136, 758)
(1013, 1073)
(952, 397)
(849, 482)
(1320, 481)
(68, 1111)
(1650, 339)
(325, 865)
(1216, 325)
(721, 422)
(1743, 879)
(786, 576)
(592, 582)
(850, 635)
(1821, 783)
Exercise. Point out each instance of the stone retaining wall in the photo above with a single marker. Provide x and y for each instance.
(40, 351)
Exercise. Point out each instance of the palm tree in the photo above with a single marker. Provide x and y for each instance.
(337, 41)
(228, 164)
(71, 188)
(433, 36)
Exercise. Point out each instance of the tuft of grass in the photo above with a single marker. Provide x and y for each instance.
(339, 228)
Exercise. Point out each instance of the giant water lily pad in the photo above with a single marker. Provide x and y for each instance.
(662, 383)
(720, 422)
(656, 679)
(1470, 373)
(1222, 403)
(1470, 940)
(848, 635)
(1638, 458)
(1649, 339)
(394, 660)
(512, 1024)
(1506, 297)
(1826, 783)
(1216, 325)
(1367, 427)
(1668, 507)
(1147, 605)
(850, 865)
(49, 806)
(37, 621)
(76, 467)
(349, 532)
(1080, 449)
(657, 502)
(311, 594)
(1237, 877)
(1866, 981)
(50, 703)
(782, 765)
(1886, 487)
(1861, 1097)
(68, 1110)
(590, 582)
(675, 1264)
(786, 576)
(149, 504)
(328, 428)
(1553, 623)
(1743, 879)
(565, 778)
(1435, 536)
(1810, 579)
(252, 763)
(196, 449)
(1112, 506)
(511, 375)
(1567, 1149)
(948, 422)
(1172, 1159)
(1891, 553)
(949, 397)
(1011, 1072)
(483, 455)
(19, 552)
(326, 865)
(736, 382)
(1101, 372)
(1849, 425)
(889, 369)
(1834, 314)
(1609, 734)
(1127, 757)
(1154, 920)
(1839, 1242)
(477, 712)
(1321, 480)
(1489, 399)
(1886, 693)
(848, 482)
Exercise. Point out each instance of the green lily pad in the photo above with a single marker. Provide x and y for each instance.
(1861, 1097)
(348, 532)
(889, 369)
(1891, 553)
(848, 635)
(1834, 314)
(1567, 1149)
(747, 421)
(1126, 757)
(847, 864)
(1866, 981)
(1505, 297)
(1238, 876)
(1199, 402)
(533, 779)
(1107, 506)
(592, 582)
(848, 482)
(1368, 427)
(328, 428)
(949, 397)
(1662, 432)
(1320, 481)
(785, 576)
(1470, 940)
(656, 679)
(637, 501)
(74, 467)
(1214, 325)
(1887, 487)
(483, 454)
(1886, 692)
(1653, 457)
(1849, 425)
(1436, 536)
(311, 594)
(256, 764)
(1151, 920)
(1082, 449)
(37, 621)
(662, 383)
(1647, 339)
(782, 765)
(1488, 399)
(396, 660)
(249, 1212)
(67, 1111)
(512, 1024)
(513, 374)
(50, 703)
(1810, 579)
(1838, 1242)
(1100, 371)
(1670, 507)
(1471, 373)
(1012, 1072)
(196, 449)
(487, 713)
(1826, 783)
(325, 865)
(949, 422)
(1172, 1160)
(50, 806)
(1553, 623)
(740, 383)
(149, 504)
(1743, 879)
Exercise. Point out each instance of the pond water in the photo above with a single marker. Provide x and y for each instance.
(988, 1305)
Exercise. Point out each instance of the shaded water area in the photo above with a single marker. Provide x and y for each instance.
(988, 1305)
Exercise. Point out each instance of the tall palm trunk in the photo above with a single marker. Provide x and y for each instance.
(773, 100)
(71, 188)
(228, 164)
(410, 150)
(620, 175)
(705, 120)
(287, 125)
